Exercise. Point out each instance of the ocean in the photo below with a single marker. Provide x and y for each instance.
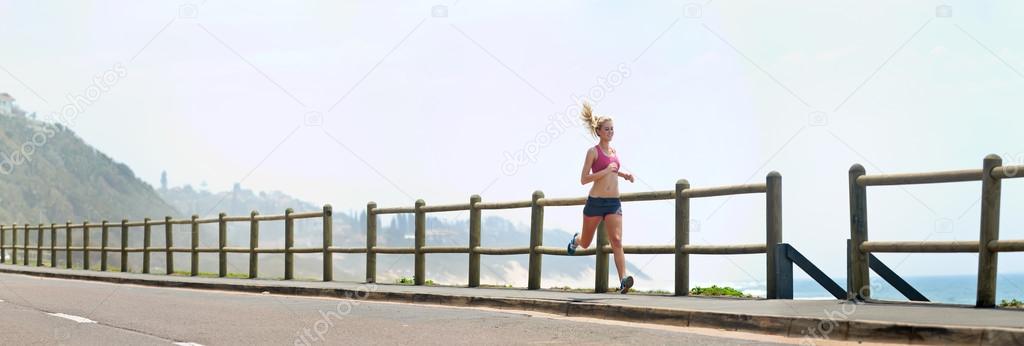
(951, 289)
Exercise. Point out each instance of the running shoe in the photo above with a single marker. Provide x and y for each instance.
(572, 245)
(626, 284)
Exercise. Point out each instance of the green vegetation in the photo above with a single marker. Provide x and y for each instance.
(212, 275)
(1012, 303)
(411, 281)
(715, 291)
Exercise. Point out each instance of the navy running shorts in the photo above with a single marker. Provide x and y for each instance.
(601, 206)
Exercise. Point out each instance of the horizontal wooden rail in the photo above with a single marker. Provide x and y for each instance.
(445, 249)
(236, 219)
(394, 250)
(503, 205)
(919, 246)
(270, 217)
(397, 210)
(648, 196)
(1006, 245)
(561, 251)
(502, 251)
(444, 208)
(645, 249)
(725, 190)
(1008, 172)
(738, 249)
(347, 249)
(305, 215)
(920, 178)
(552, 202)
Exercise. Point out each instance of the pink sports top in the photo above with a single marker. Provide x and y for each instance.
(603, 161)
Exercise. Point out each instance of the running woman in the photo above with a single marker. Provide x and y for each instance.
(601, 167)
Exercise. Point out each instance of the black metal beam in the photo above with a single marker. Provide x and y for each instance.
(895, 280)
(787, 256)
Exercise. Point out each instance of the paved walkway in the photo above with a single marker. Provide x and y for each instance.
(825, 319)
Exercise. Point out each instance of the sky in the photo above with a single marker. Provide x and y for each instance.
(357, 101)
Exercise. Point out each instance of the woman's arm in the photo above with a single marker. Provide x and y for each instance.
(586, 177)
(626, 175)
(620, 172)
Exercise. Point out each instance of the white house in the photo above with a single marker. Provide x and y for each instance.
(6, 104)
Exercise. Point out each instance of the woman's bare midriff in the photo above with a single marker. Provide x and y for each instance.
(607, 186)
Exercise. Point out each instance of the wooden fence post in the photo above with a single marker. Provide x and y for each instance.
(254, 242)
(328, 243)
(474, 241)
(168, 244)
(289, 242)
(420, 239)
(536, 240)
(53, 245)
(39, 245)
(104, 237)
(371, 242)
(858, 282)
(194, 246)
(85, 245)
(773, 196)
(682, 279)
(67, 245)
(147, 237)
(222, 242)
(124, 245)
(601, 260)
(328, 233)
(988, 259)
(14, 244)
(24, 249)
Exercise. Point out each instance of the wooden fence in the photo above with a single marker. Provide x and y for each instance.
(681, 249)
(988, 246)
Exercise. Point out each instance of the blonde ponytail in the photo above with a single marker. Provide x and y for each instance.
(591, 121)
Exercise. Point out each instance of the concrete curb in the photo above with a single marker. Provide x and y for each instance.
(794, 327)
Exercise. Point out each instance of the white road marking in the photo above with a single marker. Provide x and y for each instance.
(187, 344)
(73, 318)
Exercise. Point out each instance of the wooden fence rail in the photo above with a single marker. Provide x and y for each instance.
(987, 247)
(681, 249)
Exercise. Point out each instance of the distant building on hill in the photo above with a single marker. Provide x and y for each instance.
(6, 104)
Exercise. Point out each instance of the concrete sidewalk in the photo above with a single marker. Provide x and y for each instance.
(810, 319)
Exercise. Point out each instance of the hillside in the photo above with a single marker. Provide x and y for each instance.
(49, 174)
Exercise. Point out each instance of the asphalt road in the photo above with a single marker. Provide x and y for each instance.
(56, 311)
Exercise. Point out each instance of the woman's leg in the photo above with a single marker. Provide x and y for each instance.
(613, 226)
(589, 226)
